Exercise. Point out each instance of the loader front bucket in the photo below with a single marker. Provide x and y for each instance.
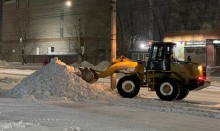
(89, 74)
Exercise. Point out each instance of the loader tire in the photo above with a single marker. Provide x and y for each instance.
(183, 93)
(128, 86)
(168, 90)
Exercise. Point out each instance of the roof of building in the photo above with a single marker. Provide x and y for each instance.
(192, 35)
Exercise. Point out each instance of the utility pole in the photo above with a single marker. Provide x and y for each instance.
(113, 41)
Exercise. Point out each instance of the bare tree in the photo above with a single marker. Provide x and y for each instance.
(195, 15)
(100, 15)
(127, 25)
(121, 33)
(161, 14)
(132, 28)
(26, 35)
(172, 15)
(75, 37)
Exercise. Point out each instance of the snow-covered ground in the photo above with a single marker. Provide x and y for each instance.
(53, 99)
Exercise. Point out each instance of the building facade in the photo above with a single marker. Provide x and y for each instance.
(203, 46)
(37, 28)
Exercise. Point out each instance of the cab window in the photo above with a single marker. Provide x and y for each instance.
(157, 53)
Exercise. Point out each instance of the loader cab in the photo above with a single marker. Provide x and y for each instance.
(160, 56)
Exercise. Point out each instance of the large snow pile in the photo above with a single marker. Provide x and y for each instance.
(3, 63)
(102, 65)
(58, 80)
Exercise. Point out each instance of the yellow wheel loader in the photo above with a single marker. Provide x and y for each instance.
(169, 78)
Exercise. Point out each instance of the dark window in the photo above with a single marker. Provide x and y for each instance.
(52, 49)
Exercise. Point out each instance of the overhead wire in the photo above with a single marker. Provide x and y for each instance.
(160, 3)
(49, 10)
(54, 16)
(31, 11)
(47, 4)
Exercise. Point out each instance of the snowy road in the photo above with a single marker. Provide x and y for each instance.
(32, 115)
(213, 88)
(200, 111)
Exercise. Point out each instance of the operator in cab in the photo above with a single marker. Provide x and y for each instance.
(172, 57)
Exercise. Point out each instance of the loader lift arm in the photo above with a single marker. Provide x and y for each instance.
(119, 64)
(91, 76)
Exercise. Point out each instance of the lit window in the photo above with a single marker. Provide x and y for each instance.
(37, 50)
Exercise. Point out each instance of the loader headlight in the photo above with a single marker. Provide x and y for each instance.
(200, 68)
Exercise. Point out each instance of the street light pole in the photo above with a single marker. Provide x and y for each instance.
(113, 41)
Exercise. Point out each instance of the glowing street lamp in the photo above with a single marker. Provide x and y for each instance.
(142, 45)
(68, 3)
